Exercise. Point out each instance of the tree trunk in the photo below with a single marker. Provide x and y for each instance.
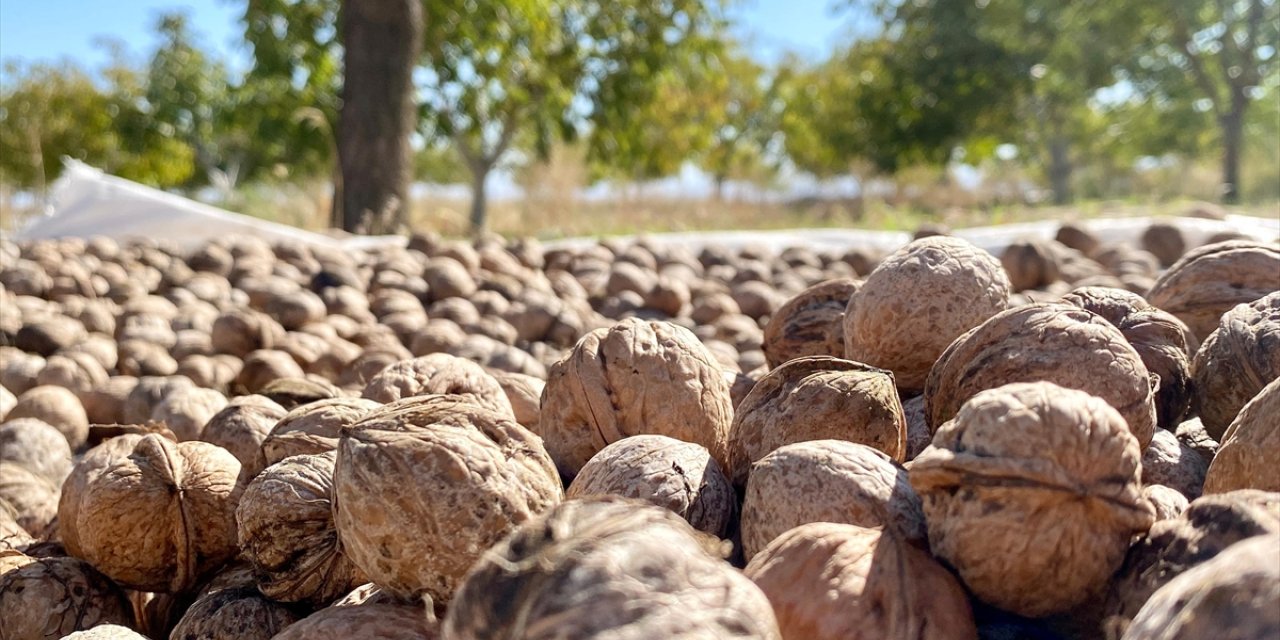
(1232, 123)
(1060, 170)
(381, 40)
(479, 197)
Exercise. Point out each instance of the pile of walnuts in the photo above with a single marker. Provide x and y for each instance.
(496, 439)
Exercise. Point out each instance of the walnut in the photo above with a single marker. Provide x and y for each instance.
(1169, 503)
(145, 394)
(33, 497)
(827, 481)
(524, 392)
(1165, 241)
(1168, 462)
(385, 621)
(53, 597)
(635, 378)
(187, 409)
(233, 614)
(809, 324)
(1049, 342)
(285, 525)
(1031, 493)
(1250, 447)
(1160, 339)
(917, 301)
(831, 581)
(1236, 361)
(474, 473)
(156, 516)
(607, 568)
(240, 332)
(817, 398)
(438, 373)
(313, 428)
(263, 366)
(448, 278)
(1031, 263)
(241, 427)
(55, 406)
(679, 476)
(40, 448)
(1208, 281)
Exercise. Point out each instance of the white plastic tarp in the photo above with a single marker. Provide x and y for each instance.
(87, 202)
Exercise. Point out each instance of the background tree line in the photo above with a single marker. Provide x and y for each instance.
(450, 90)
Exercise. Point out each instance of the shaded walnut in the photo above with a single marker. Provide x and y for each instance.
(31, 496)
(263, 366)
(1169, 503)
(1208, 281)
(635, 378)
(1160, 339)
(285, 526)
(1236, 361)
(830, 581)
(524, 392)
(1165, 241)
(438, 373)
(187, 410)
(1250, 448)
(313, 428)
(679, 476)
(1237, 591)
(57, 407)
(809, 324)
(817, 398)
(40, 448)
(827, 481)
(233, 614)
(1031, 493)
(53, 597)
(917, 301)
(241, 427)
(154, 517)
(470, 475)
(293, 392)
(1049, 342)
(386, 621)
(1031, 263)
(918, 434)
(1171, 463)
(607, 568)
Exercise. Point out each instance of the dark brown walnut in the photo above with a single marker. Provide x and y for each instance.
(1160, 339)
(154, 517)
(1165, 241)
(827, 481)
(524, 392)
(634, 378)
(385, 621)
(1236, 361)
(264, 366)
(1169, 503)
(679, 476)
(1031, 263)
(466, 476)
(918, 434)
(830, 581)
(607, 568)
(33, 498)
(809, 324)
(917, 301)
(233, 614)
(1168, 462)
(1032, 494)
(285, 525)
(1250, 447)
(438, 373)
(313, 428)
(1235, 593)
(817, 398)
(53, 597)
(1208, 281)
(1049, 342)
(57, 407)
(187, 410)
(241, 427)
(33, 444)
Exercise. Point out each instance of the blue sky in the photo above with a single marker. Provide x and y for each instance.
(49, 30)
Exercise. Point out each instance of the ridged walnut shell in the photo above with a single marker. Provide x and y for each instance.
(680, 476)
(607, 568)
(52, 597)
(424, 485)
(313, 428)
(286, 531)
(1169, 462)
(809, 324)
(438, 373)
(828, 481)
(635, 378)
(917, 301)
(1159, 338)
(94, 462)
(1236, 361)
(1032, 494)
(830, 581)
(1049, 342)
(238, 613)
(1208, 281)
(382, 621)
(817, 398)
(1251, 447)
(1207, 527)
(1235, 595)
(154, 517)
